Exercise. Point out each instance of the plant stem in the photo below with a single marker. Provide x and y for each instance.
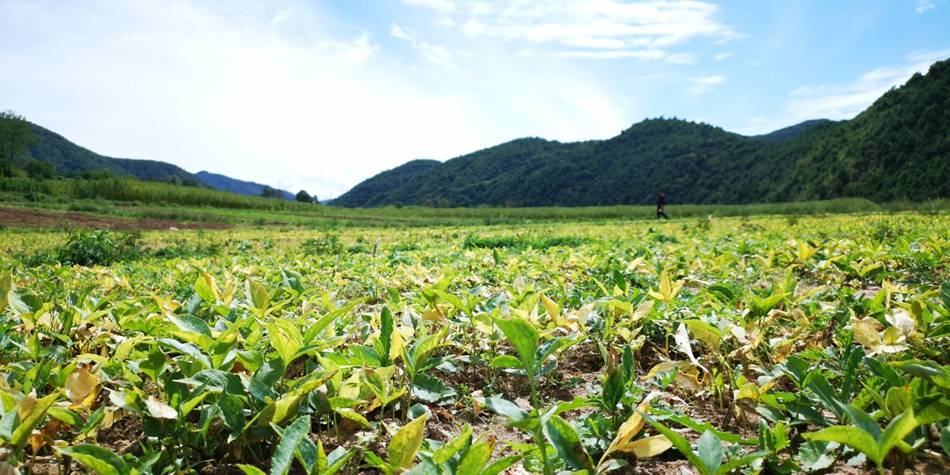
(539, 431)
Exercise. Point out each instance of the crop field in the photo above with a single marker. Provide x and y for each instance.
(702, 345)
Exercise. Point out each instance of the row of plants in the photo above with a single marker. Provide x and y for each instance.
(735, 346)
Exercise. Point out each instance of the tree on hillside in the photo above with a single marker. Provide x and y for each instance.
(304, 197)
(269, 192)
(39, 170)
(15, 135)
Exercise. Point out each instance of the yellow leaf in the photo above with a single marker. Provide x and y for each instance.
(647, 446)
(748, 391)
(629, 429)
(554, 310)
(867, 332)
(81, 386)
(643, 309)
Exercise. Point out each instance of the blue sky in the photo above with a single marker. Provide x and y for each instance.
(320, 95)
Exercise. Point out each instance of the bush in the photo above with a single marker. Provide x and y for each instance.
(101, 247)
(474, 241)
(327, 245)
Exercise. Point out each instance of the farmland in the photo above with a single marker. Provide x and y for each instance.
(775, 344)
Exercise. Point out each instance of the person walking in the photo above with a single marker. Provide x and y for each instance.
(660, 202)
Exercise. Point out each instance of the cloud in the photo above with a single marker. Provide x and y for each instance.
(643, 55)
(436, 54)
(703, 84)
(722, 56)
(681, 58)
(440, 5)
(844, 101)
(925, 5)
(622, 28)
(279, 92)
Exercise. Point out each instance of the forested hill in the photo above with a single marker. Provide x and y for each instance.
(899, 148)
(69, 159)
(226, 183)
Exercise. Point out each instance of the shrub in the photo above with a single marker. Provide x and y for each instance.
(100, 247)
(329, 244)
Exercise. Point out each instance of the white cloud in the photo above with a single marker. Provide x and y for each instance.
(703, 84)
(440, 5)
(925, 5)
(436, 54)
(278, 92)
(722, 56)
(681, 58)
(622, 28)
(844, 101)
(611, 54)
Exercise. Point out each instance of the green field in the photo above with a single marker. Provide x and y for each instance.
(564, 340)
(128, 198)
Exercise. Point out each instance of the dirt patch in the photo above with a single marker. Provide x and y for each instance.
(37, 218)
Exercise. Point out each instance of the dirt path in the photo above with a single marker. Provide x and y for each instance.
(40, 218)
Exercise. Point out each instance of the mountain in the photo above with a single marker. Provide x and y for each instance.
(69, 159)
(374, 191)
(226, 183)
(899, 148)
(790, 132)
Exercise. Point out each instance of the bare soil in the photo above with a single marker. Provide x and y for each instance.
(39, 218)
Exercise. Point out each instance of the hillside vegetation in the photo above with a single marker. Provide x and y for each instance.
(898, 149)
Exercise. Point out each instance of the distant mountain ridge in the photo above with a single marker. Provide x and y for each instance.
(897, 149)
(69, 159)
(226, 183)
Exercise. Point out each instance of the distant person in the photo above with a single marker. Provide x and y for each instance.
(660, 202)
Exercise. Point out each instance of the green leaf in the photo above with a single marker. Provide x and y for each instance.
(32, 418)
(231, 411)
(505, 408)
(524, 337)
(742, 461)
(65, 415)
(385, 342)
(205, 289)
(285, 338)
(187, 349)
(475, 459)
(613, 388)
(421, 349)
(850, 436)
(568, 444)
(864, 421)
(681, 444)
(250, 470)
(337, 460)
(284, 453)
(456, 445)
(710, 451)
(945, 439)
(817, 455)
(506, 361)
(194, 328)
(406, 441)
(945, 294)
(98, 459)
(354, 416)
(430, 390)
(895, 432)
(826, 394)
(258, 295)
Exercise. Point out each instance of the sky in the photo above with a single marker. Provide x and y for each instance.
(319, 95)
